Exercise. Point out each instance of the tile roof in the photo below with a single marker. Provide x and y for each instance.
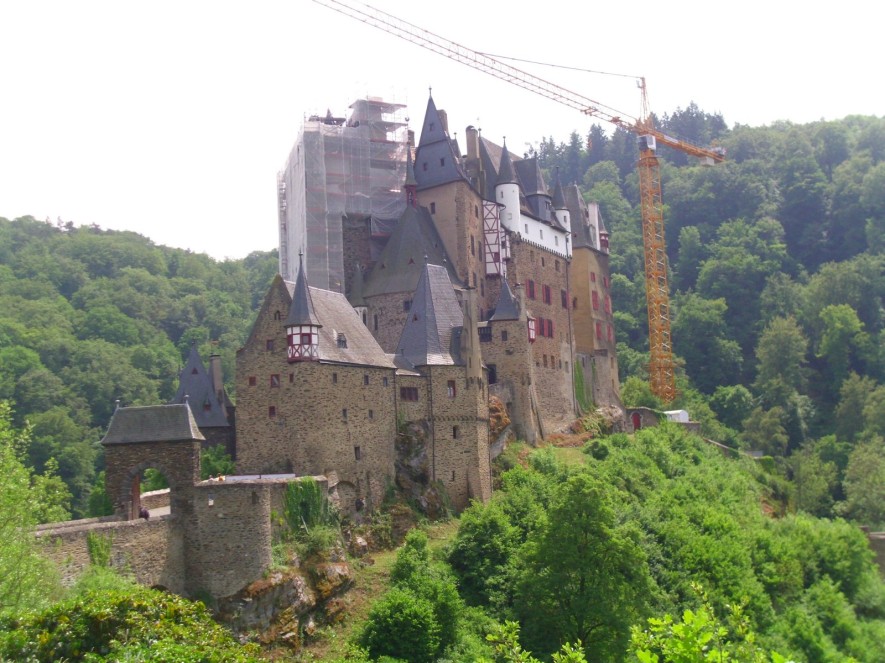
(340, 322)
(153, 423)
(427, 335)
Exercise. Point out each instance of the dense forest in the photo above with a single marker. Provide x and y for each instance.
(641, 548)
(90, 316)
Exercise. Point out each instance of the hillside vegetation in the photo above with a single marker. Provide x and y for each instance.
(89, 317)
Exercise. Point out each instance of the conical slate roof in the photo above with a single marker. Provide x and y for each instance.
(195, 386)
(506, 308)
(558, 195)
(506, 174)
(437, 157)
(301, 311)
(435, 315)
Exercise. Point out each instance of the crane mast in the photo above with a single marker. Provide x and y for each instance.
(661, 365)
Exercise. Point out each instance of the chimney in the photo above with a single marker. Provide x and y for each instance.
(472, 142)
(444, 120)
(216, 377)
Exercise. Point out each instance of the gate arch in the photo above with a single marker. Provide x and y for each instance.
(164, 437)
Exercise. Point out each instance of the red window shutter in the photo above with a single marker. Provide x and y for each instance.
(595, 301)
(598, 331)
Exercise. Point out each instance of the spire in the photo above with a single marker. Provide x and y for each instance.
(558, 195)
(506, 308)
(411, 184)
(505, 172)
(301, 311)
(433, 130)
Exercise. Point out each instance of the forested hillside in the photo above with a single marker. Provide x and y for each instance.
(777, 272)
(90, 316)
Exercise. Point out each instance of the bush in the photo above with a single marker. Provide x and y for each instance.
(402, 625)
(137, 624)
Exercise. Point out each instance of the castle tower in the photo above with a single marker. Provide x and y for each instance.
(302, 325)
(560, 208)
(507, 191)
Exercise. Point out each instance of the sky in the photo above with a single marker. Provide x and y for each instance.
(172, 118)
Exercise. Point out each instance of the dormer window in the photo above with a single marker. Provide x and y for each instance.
(342, 340)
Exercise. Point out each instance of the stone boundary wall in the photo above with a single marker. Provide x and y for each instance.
(155, 499)
(148, 549)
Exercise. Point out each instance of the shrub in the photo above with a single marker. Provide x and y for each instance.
(402, 625)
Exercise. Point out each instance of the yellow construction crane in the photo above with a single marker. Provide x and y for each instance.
(661, 371)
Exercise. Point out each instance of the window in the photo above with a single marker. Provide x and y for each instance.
(291, 378)
(598, 331)
(595, 296)
(503, 335)
(275, 380)
(277, 315)
(375, 322)
(530, 289)
(357, 453)
(556, 243)
(452, 389)
(305, 339)
(545, 356)
(472, 246)
(593, 277)
(384, 381)
(541, 232)
(334, 378)
(455, 432)
(252, 381)
(556, 265)
(485, 334)
(371, 414)
(433, 208)
(268, 345)
(365, 379)
(342, 340)
(611, 333)
(563, 298)
(532, 330)
(453, 475)
(605, 282)
(424, 166)
(526, 225)
(442, 161)
(550, 328)
(408, 393)
(272, 411)
(542, 326)
(547, 296)
(344, 414)
(543, 263)
(407, 305)
(493, 373)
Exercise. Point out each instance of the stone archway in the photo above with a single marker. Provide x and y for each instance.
(164, 437)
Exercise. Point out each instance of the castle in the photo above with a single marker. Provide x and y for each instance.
(477, 279)
(427, 283)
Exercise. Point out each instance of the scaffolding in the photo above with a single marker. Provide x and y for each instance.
(340, 167)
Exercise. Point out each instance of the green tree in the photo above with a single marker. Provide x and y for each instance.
(764, 431)
(842, 333)
(26, 579)
(781, 355)
(700, 334)
(864, 484)
(585, 578)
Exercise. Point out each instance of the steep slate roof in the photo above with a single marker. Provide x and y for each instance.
(489, 155)
(437, 155)
(530, 177)
(301, 311)
(195, 384)
(506, 308)
(578, 211)
(154, 423)
(435, 313)
(338, 317)
(401, 263)
(558, 195)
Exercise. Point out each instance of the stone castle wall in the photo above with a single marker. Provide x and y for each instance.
(389, 312)
(151, 550)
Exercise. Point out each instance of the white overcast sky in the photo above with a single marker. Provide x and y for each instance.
(172, 118)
